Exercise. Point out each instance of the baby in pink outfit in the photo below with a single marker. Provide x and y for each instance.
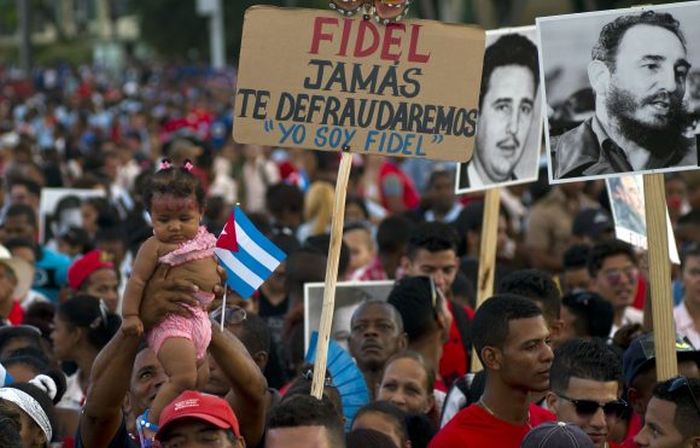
(174, 198)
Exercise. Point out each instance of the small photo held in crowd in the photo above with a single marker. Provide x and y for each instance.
(348, 297)
(509, 127)
(626, 195)
(60, 209)
(620, 91)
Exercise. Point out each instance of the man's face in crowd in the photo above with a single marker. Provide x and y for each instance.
(218, 384)
(504, 121)
(405, 384)
(298, 437)
(691, 279)
(146, 378)
(442, 193)
(659, 429)
(616, 281)
(576, 279)
(374, 336)
(195, 433)
(648, 82)
(440, 265)
(361, 251)
(596, 425)
(18, 226)
(526, 357)
(103, 284)
(19, 194)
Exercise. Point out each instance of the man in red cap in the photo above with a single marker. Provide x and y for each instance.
(94, 274)
(196, 419)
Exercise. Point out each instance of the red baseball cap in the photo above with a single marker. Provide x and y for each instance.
(205, 407)
(86, 265)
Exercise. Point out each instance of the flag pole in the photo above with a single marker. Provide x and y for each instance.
(324, 330)
(223, 307)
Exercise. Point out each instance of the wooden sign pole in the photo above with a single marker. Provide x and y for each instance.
(660, 277)
(487, 254)
(324, 331)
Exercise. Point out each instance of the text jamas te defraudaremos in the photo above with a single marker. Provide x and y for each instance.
(359, 75)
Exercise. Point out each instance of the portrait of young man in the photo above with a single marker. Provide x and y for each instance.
(509, 125)
(636, 119)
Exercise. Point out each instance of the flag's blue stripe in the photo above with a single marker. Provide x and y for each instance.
(254, 234)
(251, 263)
(237, 284)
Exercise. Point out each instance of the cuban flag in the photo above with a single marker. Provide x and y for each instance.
(248, 257)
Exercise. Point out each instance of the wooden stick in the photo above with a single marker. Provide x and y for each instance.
(660, 277)
(324, 329)
(487, 254)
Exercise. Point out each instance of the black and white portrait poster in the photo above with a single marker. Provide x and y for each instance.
(626, 195)
(509, 127)
(348, 297)
(619, 91)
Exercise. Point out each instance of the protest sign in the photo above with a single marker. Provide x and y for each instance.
(509, 125)
(316, 80)
(608, 113)
(59, 209)
(627, 202)
(348, 297)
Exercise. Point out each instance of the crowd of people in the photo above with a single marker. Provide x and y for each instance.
(565, 345)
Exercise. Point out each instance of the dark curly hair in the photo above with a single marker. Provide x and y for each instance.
(176, 181)
(603, 250)
(510, 49)
(605, 49)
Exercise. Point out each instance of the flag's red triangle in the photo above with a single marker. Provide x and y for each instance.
(227, 239)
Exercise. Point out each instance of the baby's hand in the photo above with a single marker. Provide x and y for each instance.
(132, 325)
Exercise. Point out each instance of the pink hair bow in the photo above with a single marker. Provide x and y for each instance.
(188, 165)
(165, 164)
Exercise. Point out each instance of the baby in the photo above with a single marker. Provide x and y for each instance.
(174, 199)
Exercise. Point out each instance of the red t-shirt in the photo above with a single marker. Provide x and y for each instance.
(473, 427)
(453, 363)
(633, 428)
(409, 194)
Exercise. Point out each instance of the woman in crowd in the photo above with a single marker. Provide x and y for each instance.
(82, 326)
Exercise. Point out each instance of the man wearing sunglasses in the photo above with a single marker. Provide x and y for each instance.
(613, 268)
(586, 384)
(673, 416)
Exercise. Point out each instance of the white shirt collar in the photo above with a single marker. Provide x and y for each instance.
(474, 178)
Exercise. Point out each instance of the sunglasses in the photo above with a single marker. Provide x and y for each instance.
(614, 276)
(586, 408)
(681, 382)
(383, 11)
(234, 315)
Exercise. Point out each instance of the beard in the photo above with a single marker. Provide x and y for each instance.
(656, 134)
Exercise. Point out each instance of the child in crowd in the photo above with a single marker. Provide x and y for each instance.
(174, 199)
